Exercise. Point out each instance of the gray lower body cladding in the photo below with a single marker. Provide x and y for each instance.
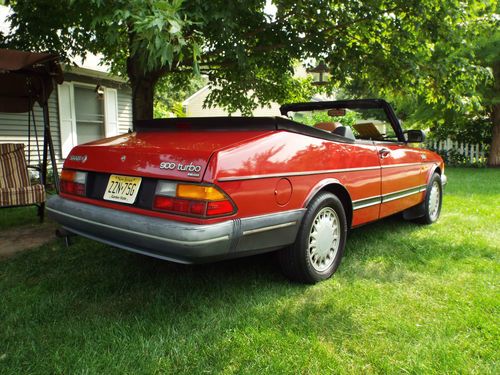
(175, 240)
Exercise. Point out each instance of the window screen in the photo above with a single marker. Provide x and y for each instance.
(89, 113)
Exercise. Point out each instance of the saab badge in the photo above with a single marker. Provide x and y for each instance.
(78, 158)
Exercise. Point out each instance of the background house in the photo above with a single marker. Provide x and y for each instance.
(90, 104)
(193, 107)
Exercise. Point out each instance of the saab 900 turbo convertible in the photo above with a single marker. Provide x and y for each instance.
(193, 190)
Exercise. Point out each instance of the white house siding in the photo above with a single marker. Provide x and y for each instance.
(193, 107)
(14, 126)
(14, 129)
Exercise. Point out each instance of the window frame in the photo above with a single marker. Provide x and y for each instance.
(67, 113)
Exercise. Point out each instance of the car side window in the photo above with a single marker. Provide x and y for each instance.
(373, 124)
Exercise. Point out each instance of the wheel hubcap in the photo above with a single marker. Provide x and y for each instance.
(434, 198)
(324, 239)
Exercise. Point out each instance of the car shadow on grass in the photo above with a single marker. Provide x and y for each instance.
(374, 251)
(385, 250)
(91, 281)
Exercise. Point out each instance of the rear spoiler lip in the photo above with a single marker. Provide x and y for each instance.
(233, 124)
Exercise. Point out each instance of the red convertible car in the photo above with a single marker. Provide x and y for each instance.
(194, 190)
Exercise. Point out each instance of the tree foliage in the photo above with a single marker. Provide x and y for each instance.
(445, 81)
(423, 49)
(233, 43)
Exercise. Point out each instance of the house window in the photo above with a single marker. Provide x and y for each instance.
(85, 117)
(89, 115)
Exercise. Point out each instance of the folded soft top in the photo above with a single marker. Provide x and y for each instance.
(214, 124)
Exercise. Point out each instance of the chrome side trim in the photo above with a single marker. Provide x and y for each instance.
(309, 173)
(265, 229)
(366, 202)
(163, 239)
(404, 165)
(378, 199)
(402, 194)
(405, 190)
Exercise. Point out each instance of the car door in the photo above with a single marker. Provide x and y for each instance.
(363, 180)
(402, 177)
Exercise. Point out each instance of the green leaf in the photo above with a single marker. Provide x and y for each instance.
(175, 26)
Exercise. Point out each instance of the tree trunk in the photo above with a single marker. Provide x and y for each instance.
(494, 159)
(143, 89)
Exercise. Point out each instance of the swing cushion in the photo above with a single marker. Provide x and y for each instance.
(15, 188)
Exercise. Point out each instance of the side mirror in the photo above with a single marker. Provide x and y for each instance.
(415, 136)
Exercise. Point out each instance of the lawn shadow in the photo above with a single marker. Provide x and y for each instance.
(99, 275)
(95, 281)
(92, 293)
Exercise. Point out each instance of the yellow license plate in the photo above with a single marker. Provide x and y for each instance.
(122, 189)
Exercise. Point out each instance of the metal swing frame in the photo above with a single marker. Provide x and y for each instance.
(26, 78)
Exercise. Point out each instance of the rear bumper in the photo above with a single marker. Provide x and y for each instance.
(173, 240)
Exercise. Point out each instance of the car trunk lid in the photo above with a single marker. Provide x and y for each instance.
(174, 154)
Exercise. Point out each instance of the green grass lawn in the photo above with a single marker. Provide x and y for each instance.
(406, 299)
(15, 217)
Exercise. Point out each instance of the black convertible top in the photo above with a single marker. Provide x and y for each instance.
(214, 124)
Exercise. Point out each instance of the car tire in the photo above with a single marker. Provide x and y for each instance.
(432, 201)
(320, 242)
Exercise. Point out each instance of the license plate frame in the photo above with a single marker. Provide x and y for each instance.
(122, 189)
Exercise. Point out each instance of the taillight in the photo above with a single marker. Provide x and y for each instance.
(218, 208)
(191, 199)
(73, 182)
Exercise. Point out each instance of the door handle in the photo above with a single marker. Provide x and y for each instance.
(384, 152)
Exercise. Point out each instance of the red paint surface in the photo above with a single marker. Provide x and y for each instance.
(307, 163)
(283, 191)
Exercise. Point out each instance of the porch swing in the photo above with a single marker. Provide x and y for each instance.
(26, 78)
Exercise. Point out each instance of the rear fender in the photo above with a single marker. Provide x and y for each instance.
(335, 187)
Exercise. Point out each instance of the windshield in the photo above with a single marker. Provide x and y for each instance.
(366, 123)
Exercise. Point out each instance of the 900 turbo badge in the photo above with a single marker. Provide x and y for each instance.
(191, 169)
(166, 165)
